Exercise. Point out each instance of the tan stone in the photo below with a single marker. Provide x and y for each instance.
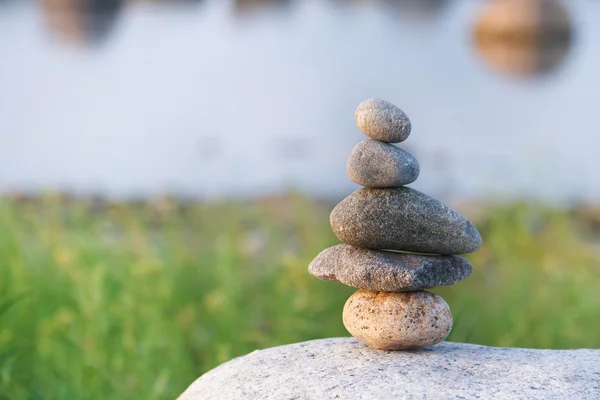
(397, 321)
(523, 37)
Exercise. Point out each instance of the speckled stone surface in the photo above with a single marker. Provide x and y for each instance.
(397, 321)
(402, 219)
(344, 368)
(383, 121)
(376, 164)
(388, 271)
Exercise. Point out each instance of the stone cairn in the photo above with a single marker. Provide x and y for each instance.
(397, 241)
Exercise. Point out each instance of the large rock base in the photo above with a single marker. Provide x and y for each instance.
(344, 368)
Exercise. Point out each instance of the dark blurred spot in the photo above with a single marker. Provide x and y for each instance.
(418, 9)
(84, 22)
(523, 37)
(243, 7)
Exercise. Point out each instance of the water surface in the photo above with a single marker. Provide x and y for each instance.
(220, 98)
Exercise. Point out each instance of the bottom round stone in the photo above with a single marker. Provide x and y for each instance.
(397, 321)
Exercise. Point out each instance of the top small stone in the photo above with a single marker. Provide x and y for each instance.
(382, 121)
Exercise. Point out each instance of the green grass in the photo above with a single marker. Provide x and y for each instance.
(136, 301)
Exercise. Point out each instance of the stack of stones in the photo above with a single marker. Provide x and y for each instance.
(397, 241)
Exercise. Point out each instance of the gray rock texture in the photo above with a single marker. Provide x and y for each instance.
(376, 164)
(343, 368)
(397, 321)
(402, 219)
(382, 121)
(388, 271)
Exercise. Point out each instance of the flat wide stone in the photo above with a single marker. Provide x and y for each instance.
(402, 219)
(388, 271)
(376, 164)
(344, 368)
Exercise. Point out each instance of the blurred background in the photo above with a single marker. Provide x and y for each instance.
(167, 169)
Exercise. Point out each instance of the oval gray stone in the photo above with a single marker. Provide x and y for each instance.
(376, 164)
(388, 271)
(402, 219)
(382, 121)
(344, 368)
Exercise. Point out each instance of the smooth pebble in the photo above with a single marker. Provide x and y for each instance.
(383, 121)
(397, 321)
(377, 164)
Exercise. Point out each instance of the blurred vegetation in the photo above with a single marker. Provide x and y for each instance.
(135, 301)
